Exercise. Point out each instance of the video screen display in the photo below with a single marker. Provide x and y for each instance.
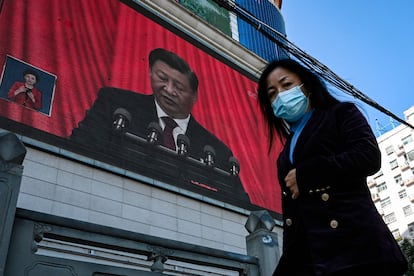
(101, 76)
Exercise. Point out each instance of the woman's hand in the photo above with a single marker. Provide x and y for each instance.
(31, 96)
(291, 183)
(19, 90)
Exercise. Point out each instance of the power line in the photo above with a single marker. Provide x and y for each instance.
(312, 63)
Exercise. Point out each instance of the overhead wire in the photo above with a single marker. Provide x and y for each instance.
(309, 61)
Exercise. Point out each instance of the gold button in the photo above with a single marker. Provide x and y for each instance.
(310, 192)
(288, 222)
(333, 223)
(325, 197)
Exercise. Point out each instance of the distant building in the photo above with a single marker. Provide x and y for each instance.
(392, 188)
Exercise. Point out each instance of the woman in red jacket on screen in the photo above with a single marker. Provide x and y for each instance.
(331, 226)
(25, 93)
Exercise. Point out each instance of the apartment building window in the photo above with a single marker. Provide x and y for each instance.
(381, 187)
(393, 164)
(411, 228)
(389, 149)
(398, 179)
(379, 173)
(385, 202)
(396, 234)
(402, 194)
(410, 155)
(390, 218)
(407, 210)
(406, 140)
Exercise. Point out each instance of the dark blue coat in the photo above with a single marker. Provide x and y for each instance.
(334, 224)
(99, 118)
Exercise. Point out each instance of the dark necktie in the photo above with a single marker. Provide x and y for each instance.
(168, 138)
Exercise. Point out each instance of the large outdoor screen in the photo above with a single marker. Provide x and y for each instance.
(69, 69)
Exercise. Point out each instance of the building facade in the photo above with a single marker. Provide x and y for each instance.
(85, 212)
(392, 188)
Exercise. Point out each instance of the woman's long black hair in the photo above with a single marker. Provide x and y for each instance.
(319, 97)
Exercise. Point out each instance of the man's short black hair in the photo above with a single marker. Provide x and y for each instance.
(176, 62)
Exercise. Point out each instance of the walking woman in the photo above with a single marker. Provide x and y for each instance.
(331, 226)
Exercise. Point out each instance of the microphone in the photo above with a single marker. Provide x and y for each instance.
(183, 144)
(121, 118)
(234, 166)
(27, 92)
(154, 132)
(209, 155)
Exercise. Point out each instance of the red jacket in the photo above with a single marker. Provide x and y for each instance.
(23, 99)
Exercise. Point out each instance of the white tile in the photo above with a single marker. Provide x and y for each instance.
(232, 227)
(74, 181)
(189, 228)
(107, 177)
(136, 186)
(75, 168)
(188, 203)
(211, 221)
(188, 214)
(136, 199)
(210, 233)
(41, 157)
(106, 190)
(163, 233)
(164, 195)
(35, 203)
(40, 171)
(105, 219)
(163, 207)
(73, 197)
(104, 205)
(211, 210)
(164, 221)
(136, 214)
(37, 187)
(69, 211)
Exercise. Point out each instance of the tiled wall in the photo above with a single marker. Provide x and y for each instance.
(56, 185)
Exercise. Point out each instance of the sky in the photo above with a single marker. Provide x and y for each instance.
(368, 43)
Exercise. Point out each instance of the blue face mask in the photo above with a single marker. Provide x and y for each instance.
(291, 104)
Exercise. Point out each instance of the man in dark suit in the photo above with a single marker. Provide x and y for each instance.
(175, 91)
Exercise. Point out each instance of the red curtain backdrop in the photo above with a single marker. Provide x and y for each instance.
(91, 44)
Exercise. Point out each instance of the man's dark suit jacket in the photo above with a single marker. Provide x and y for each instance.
(334, 219)
(99, 119)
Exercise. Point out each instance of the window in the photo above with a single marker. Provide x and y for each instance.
(411, 228)
(385, 202)
(406, 140)
(393, 164)
(390, 218)
(407, 210)
(402, 194)
(389, 149)
(410, 155)
(396, 234)
(378, 174)
(382, 187)
(398, 179)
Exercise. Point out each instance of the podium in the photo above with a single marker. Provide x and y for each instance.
(148, 158)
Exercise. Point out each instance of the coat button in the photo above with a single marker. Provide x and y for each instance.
(325, 197)
(288, 222)
(333, 224)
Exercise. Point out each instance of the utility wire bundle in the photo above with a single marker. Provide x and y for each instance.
(312, 63)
